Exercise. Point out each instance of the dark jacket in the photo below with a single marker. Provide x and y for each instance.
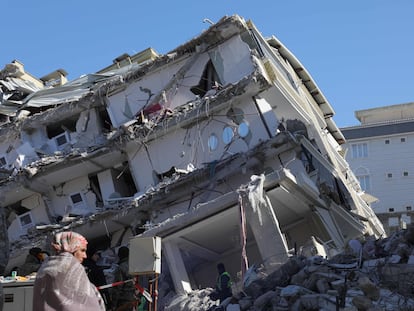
(31, 264)
(95, 273)
(123, 293)
(223, 287)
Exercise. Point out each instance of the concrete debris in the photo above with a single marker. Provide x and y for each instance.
(368, 280)
(225, 148)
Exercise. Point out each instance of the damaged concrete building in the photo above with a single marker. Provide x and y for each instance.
(224, 147)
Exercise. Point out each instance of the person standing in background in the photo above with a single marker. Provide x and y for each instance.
(95, 272)
(124, 295)
(32, 262)
(223, 286)
(61, 283)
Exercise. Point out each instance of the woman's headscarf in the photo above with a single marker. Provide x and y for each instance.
(68, 241)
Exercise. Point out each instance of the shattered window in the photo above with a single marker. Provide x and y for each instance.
(56, 129)
(208, 80)
(95, 188)
(105, 120)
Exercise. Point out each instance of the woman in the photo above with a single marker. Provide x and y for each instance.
(61, 282)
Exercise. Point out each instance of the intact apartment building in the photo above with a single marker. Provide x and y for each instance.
(224, 148)
(380, 152)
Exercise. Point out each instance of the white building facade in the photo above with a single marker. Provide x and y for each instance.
(380, 152)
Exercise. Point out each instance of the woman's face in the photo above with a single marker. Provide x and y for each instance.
(80, 254)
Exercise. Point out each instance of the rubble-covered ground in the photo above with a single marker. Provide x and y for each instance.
(369, 275)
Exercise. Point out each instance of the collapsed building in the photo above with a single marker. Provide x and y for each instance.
(224, 147)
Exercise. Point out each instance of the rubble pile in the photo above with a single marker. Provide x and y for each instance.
(368, 275)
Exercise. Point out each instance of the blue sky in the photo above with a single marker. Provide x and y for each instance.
(359, 52)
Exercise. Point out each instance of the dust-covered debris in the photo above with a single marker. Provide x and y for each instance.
(370, 274)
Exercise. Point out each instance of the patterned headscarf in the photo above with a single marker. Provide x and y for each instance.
(68, 241)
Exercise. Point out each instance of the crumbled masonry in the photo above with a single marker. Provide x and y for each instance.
(225, 149)
(373, 274)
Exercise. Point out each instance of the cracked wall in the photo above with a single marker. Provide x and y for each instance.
(177, 137)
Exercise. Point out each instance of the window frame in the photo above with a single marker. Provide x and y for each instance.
(78, 205)
(359, 150)
(26, 225)
(57, 137)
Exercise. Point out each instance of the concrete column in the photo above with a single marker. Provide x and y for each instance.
(177, 269)
(264, 224)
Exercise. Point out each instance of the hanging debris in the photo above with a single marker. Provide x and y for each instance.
(224, 147)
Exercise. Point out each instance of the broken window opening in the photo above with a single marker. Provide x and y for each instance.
(253, 42)
(4, 119)
(343, 195)
(60, 132)
(16, 96)
(306, 158)
(328, 185)
(125, 183)
(209, 80)
(18, 208)
(296, 126)
(236, 115)
(56, 129)
(95, 188)
(105, 120)
(168, 174)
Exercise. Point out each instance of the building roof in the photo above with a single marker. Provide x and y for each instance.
(379, 129)
(386, 113)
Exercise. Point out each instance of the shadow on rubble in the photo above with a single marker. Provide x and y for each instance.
(369, 274)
